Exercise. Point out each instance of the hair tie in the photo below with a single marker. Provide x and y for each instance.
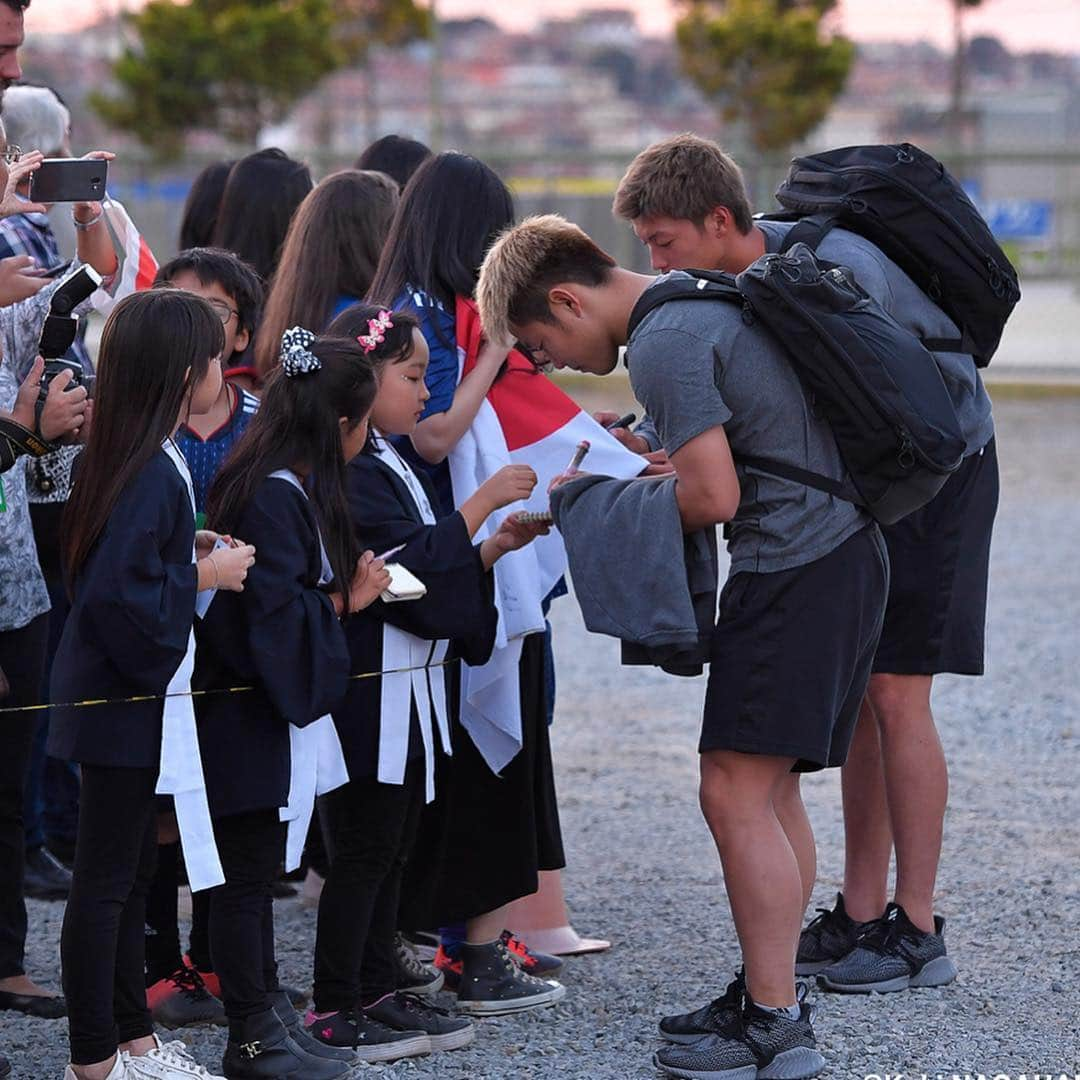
(376, 334)
(296, 355)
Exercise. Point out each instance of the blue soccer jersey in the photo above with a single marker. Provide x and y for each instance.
(204, 456)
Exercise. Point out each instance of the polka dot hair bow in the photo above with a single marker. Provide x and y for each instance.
(296, 355)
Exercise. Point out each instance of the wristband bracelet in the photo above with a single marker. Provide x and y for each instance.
(82, 226)
(217, 576)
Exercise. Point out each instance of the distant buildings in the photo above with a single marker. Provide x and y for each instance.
(562, 109)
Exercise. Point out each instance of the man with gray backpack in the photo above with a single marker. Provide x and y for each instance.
(892, 223)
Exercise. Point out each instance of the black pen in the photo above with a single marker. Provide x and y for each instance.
(623, 421)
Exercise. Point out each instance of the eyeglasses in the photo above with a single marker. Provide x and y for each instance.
(222, 310)
(537, 362)
(12, 155)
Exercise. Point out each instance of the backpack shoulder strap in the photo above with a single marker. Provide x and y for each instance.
(702, 285)
(810, 230)
(836, 488)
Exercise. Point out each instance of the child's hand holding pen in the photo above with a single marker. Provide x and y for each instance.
(370, 579)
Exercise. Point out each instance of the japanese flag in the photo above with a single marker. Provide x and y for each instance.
(525, 419)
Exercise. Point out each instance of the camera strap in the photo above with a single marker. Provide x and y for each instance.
(16, 440)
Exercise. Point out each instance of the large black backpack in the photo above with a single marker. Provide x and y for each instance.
(906, 203)
(875, 382)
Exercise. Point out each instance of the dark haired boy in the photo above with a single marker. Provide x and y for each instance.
(687, 203)
(234, 291)
(799, 617)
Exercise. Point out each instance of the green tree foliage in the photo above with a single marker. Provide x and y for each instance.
(771, 65)
(235, 66)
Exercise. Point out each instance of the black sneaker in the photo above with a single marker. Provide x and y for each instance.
(711, 1019)
(44, 876)
(492, 984)
(826, 939)
(414, 976)
(182, 1000)
(372, 1040)
(892, 954)
(290, 1018)
(406, 1012)
(760, 1045)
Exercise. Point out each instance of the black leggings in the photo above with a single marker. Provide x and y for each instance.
(163, 956)
(372, 827)
(101, 946)
(241, 921)
(22, 657)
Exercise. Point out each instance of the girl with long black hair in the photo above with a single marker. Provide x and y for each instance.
(451, 211)
(269, 750)
(329, 256)
(497, 832)
(260, 197)
(134, 567)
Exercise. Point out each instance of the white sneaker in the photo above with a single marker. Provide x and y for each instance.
(167, 1061)
(119, 1071)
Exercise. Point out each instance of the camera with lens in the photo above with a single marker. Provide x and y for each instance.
(58, 333)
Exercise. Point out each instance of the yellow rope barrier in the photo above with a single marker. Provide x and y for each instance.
(202, 693)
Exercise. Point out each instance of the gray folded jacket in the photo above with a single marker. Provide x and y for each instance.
(637, 576)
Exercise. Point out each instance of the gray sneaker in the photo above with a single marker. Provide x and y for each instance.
(892, 954)
(414, 976)
(711, 1019)
(760, 1045)
(827, 938)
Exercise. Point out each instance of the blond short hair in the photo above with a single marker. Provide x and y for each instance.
(684, 177)
(526, 262)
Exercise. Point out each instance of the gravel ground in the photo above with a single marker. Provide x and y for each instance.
(643, 871)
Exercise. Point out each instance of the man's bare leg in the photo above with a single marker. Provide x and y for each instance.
(916, 785)
(796, 824)
(761, 870)
(868, 837)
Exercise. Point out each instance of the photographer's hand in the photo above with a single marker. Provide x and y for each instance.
(64, 412)
(19, 280)
(94, 243)
(22, 412)
(11, 203)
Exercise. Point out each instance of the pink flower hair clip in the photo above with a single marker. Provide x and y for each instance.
(376, 334)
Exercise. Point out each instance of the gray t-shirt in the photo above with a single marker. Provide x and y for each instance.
(695, 365)
(912, 309)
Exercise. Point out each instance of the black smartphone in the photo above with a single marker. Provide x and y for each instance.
(69, 180)
(52, 271)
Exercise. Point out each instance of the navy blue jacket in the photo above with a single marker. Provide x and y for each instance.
(281, 636)
(459, 604)
(131, 616)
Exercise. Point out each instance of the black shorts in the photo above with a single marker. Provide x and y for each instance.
(791, 655)
(935, 620)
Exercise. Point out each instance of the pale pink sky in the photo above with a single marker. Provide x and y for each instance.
(1023, 24)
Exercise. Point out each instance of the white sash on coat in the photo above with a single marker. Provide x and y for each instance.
(317, 763)
(404, 650)
(180, 773)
